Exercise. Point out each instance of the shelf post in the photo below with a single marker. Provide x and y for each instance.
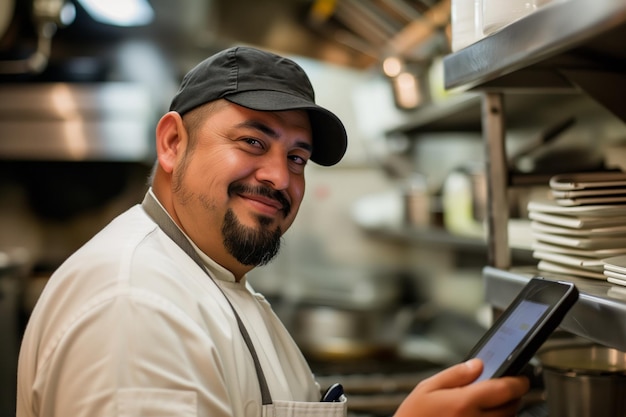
(493, 121)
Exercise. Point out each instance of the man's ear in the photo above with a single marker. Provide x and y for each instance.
(171, 139)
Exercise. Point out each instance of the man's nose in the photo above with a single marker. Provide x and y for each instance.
(274, 170)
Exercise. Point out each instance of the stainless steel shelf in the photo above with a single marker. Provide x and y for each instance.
(581, 34)
(458, 113)
(436, 236)
(463, 113)
(599, 314)
(429, 236)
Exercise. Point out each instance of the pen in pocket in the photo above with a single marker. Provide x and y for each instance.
(333, 394)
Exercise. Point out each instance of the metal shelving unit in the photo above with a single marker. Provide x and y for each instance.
(568, 45)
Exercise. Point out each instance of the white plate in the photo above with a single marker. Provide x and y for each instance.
(578, 222)
(585, 253)
(581, 243)
(615, 269)
(579, 262)
(552, 207)
(615, 263)
(587, 201)
(563, 269)
(614, 275)
(594, 192)
(617, 281)
(614, 231)
(584, 180)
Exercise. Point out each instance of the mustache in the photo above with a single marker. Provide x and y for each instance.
(264, 191)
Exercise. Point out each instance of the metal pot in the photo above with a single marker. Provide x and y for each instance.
(350, 312)
(334, 333)
(584, 381)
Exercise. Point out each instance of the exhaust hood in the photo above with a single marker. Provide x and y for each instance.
(75, 122)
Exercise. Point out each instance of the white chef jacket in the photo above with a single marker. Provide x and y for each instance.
(129, 325)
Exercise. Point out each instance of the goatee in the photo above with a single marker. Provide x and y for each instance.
(250, 246)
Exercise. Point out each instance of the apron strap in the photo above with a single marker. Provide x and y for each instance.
(165, 223)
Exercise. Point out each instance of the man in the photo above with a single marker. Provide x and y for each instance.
(154, 316)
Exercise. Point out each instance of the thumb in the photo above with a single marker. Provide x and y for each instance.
(455, 376)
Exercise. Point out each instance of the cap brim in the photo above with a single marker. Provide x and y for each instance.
(330, 140)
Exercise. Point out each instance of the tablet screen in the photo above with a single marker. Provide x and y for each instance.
(508, 336)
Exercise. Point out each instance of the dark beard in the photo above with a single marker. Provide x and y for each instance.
(248, 245)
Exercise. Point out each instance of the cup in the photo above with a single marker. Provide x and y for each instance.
(466, 23)
(496, 14)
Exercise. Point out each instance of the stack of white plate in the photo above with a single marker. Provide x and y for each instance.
(576, 239)
(615, 269)
(589, 188)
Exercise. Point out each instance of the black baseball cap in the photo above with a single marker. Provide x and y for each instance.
(263, 81)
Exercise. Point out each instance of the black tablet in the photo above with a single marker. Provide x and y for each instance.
(523, 327)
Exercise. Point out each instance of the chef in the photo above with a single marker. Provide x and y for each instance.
(154, 316)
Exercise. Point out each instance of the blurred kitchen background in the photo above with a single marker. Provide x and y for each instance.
(380, 277)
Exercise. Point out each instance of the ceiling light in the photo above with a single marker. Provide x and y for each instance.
(392, 66)
(119, 12)
(406, 91)
(67, 14)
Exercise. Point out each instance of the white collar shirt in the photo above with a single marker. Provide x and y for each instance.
(129, 326)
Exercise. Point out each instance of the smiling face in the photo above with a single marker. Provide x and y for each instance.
(233, 178)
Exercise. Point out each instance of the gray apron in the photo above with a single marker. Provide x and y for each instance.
(270, 408)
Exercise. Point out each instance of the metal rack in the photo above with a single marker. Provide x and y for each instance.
(566, 45)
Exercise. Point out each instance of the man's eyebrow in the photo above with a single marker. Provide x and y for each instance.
(265, 129)
(306, 146)
(261, 127)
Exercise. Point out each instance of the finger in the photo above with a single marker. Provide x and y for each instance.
(496, 392)
(454, 376)
(509, 409)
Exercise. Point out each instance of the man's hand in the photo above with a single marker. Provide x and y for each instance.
(450, 394)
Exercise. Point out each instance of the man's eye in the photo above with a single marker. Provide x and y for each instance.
(254, 142)
(298, 159)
